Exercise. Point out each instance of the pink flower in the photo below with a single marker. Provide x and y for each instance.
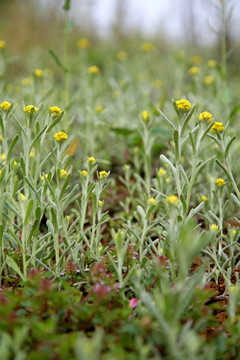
(133, 303)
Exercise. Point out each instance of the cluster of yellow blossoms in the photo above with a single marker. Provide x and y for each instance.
(205, 116)
(183, 105)
(29, 108)
(5, 105)
(60, 136)
(55, 111)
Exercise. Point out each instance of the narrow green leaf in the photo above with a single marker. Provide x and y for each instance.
(55, 122)
(13, 143)
(28, 212)
(227, 148)
(37, 137)
(12, 264)
(58, 61)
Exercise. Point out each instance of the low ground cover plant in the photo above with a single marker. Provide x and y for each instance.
(119, 207)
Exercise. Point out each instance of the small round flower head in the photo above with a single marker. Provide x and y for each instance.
(60, 136)
(2, 44)
(217, 127)
(161, 172)
(146, 115)
(194, 70)
(172, 199)
(196, 59)
(91, 160)
(133, 303)
(151, 201)
(208, 80)
(93, 70)
(220, 182)
(32, 154)
(26, 81)
(29, 108)
(103, 174)
(147, 46)
(99, 109)
(204, 198)
(38, 73)
(214, 227)
(45, 176)
(100, 202)
(122, 55)
(22, 196)
(63, 173)
(183, 105)
(205, 116)
(211, 63)
(84, 173)
(83, 43)
(5, 106)
(55, 111)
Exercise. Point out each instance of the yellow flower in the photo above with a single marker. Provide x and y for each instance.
(22, 197)
(93, 70)
(100, 202)
(206, 116)
(211, 63)
(147, 46)
(214, 227)
(196, 59)
(2, 44)
(168, 180)
(194, 70)
(26, 81)
(220, 182)
(3, 156)
(204, 198)
(146, 115)
(84, 173)
(38, 73)
(32, 154)
(28, 109)
(60, 136)
(183, 104)
(83, 43)
(233, 232)
(208, 80)
(217, 127)
(99, 109)
(151, 201)
(45, 176)
(162, 172)
(63, 173)
(126, 167)
(122, 55)
(103, 174)
(55, 110)
(91, 160)
(172, 199)
(0, 138)
(5, 106)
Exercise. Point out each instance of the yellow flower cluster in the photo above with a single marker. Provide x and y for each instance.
(122, 55)
(63, 173)
(208, 80)
(147, 46)
(151, 201)
(103, 174)
(2, 44)
(162, 172)
(220, 182)
(91, 160)
(99, 109)
(83, 43)
(214, 227)
(217, 127)
(194, 70)
(183, 104)
(93, 70)
(5, 106)
(211, 63)
(60, 136)
(146, 115)
(172, 199)
(204, 198)
(196, 59)
(38, 73)
(29, 108)
(205, 116)
(55, 110)
(84, 173)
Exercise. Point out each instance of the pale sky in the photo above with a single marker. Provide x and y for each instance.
(153, 15)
